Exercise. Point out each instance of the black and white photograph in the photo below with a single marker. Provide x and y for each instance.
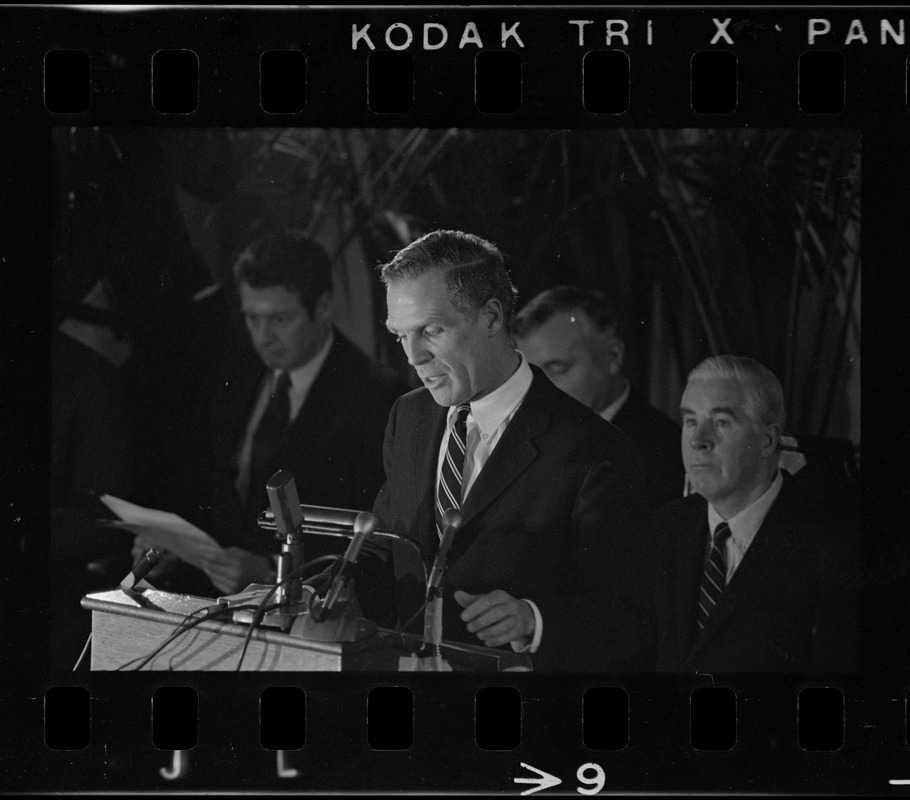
(564, 395)
(194, 268)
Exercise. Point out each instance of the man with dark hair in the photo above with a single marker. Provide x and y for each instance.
(313, 404)
(751, 577)
(553, 556)
(575, 336)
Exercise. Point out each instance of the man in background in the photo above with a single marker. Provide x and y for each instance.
(312, 404)
(574, 335)
(751, 577)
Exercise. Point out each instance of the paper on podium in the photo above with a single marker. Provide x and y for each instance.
(423, 664)
(163, 529)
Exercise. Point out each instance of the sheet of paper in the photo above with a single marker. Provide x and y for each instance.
(164, 530)
(425, 664)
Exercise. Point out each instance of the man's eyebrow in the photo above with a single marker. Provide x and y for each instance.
(424, 323)
(716, 410)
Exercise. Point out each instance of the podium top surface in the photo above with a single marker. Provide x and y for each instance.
(380, 652)
(165, 607)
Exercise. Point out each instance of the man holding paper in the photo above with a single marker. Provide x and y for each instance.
(313, 404)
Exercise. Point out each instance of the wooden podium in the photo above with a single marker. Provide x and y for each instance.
(126, 627)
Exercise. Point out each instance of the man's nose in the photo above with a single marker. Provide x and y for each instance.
(416, 350)
(261, 331)
(703, 436)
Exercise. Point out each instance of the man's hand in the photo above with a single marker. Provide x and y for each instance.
(496, 618)
(233, 569)
(162, 570)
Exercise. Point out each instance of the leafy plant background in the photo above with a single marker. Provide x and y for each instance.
(736, 240)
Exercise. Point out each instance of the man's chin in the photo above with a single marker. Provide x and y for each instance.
(273, 362)
(444, 395)
(704, 488)
(441, 397)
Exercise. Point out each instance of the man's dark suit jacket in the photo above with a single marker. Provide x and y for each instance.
(790, 606)
(555, 516)
(658, 440)
(333, 448)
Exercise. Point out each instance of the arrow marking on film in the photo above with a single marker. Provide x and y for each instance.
(545, 781)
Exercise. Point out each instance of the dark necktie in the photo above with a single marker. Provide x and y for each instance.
(269, 432)
(715, 576)
(448, 491)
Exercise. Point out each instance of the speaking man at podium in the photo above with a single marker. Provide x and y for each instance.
(554, 554)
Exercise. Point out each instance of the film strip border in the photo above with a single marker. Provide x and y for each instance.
(113, 721)
(588, 735)
(497, 75)
(493, 66)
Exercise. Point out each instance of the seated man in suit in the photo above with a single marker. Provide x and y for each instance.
(574, 335)
(750, 577)
(554, 556)
(312, 404)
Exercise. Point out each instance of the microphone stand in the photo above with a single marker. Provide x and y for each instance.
(338, 522)
(336, 617)
(336, 620)
(432, 630)
(432, 617)
(289, 596)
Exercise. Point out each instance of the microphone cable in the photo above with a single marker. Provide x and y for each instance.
(88, 641)
(417, 613)
(261, 608)
(185, 625)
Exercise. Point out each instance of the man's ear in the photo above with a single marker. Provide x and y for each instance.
(770, 439)
(614, 353)
(493, 315)
(322, 311)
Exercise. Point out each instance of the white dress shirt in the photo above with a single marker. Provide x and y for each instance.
(302, 379)
(744, 525)
(488, 418)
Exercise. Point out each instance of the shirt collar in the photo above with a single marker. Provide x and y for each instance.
(745, 524)
(490, 411)
(613, 409)
(302, 377)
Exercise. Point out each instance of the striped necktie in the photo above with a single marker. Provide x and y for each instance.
(715, 576)
(448, 489)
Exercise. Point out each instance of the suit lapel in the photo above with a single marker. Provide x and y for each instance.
(247, 393)
(691, 549)
(513, 454)
(318, 415)
(629, 415)
(423, 461)
(751, 575)
(237, 406)
(319, 409)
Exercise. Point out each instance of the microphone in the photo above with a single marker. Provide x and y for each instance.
(282, 492)
(142, 568)
(452, 521)
(285, 503)
(364, 525)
